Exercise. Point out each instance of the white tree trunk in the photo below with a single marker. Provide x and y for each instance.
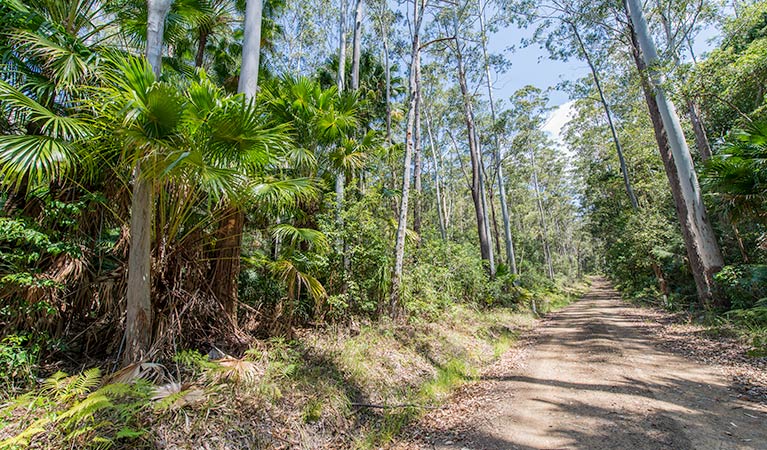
(251, 49)
(138, 320)
(357, 46)
(606, 106)
(157, 11)
(510, 258)
(341, 75)
(703, 246)
(387, 74)
(414, 92)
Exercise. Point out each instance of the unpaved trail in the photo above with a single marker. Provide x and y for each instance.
(593, 379)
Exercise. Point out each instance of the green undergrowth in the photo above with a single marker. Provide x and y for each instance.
(355, 386)
(744, 286)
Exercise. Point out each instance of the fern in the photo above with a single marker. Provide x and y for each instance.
(72, 410)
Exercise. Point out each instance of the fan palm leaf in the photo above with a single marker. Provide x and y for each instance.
(294, 236)
(47, 154)
(738, 172)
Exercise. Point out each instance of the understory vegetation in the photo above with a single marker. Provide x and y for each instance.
(340, 386)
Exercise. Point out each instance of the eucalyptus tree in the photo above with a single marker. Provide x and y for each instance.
(455, 23)
(418, 12)
(384, 19)
(497, 150)
(303, 42)
(702, 246)
(574, 30)
(357, 45)
(681, 21)
(527, 112)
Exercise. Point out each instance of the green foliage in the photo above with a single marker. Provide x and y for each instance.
(730, 82)
(19, 355)
(744, 285)
(75, 411)
(737, 174)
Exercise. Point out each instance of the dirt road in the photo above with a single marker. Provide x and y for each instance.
(594, 380)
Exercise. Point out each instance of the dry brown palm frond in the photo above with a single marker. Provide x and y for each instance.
(173, 396)
(152, 372)
(237, 370)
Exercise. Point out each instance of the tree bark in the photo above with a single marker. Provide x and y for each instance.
(414, 92)
(387, 75)
(251, 49)
(226, 266)
(341, 75)
(477, 177)
(201, 43)
(231, 225)
(498, 153)
(417, 161)
(701, 138)
(606, 106)
(702, 247)
(357, 46)
(139, 313)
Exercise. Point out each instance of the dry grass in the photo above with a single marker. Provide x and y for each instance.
(329, 388)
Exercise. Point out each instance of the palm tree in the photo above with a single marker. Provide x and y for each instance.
(202, 145)
(738, 173)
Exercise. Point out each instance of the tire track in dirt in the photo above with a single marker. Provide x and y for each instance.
(592, 378)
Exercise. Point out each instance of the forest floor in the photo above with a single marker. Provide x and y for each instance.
(601, 374)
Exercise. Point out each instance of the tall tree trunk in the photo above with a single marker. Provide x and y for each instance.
(384, 34)
(606, 106)
(498, 153)
(417, 161)
(387, 75)
(231, 225)
(702, 247)
(494, 220)
(483, 190)
(341, 74)
(414, 92)
(357, 46)
(542, 213)
(201, 43)
(701, 138)
(437, 180)
(138, 320)
(477, 176)
(251, 49)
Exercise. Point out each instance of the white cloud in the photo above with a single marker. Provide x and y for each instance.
(558, 119)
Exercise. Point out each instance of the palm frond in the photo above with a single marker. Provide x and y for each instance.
(295, 236)
(49, 123)
(284, 193)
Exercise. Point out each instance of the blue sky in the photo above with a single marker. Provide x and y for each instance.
(532, 66)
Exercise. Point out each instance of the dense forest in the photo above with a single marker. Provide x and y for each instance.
(204, 183)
